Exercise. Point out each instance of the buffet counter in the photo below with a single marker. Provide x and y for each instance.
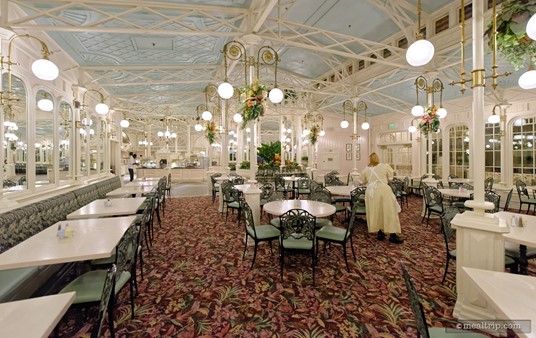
(177, 175)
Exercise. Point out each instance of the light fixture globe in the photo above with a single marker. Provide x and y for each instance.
(160, 134)
(441, 113)
(45, 104)
(173, 135)
(206, 115)
(365, 126)
(225, 90)
(45, 69)
(412, 129)
(420, 53)
(275, 95)
(167, 134)
(102, 108)
(417, 111)
(344, 124)
(124, 123)
(494, 119)
(305, 132)
(531, 27)
(322, 133)
(527, 80)
(198, 127)
(238, 118)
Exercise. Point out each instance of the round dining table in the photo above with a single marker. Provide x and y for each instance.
(315, 208)
(341, 190)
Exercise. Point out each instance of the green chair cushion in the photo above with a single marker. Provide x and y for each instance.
(234, 205)
(297, 244)
(264, 231)
(331, 233)
(322, 222)
(275, 222)
(88, 286)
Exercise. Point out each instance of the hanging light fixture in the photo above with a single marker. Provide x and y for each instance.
(528, 79)
(124, 122)
(101, 108)
(494, 118)
(237, 117)
(531, 27)
(412, 128)
(344, 122)
(45, 104)
(198, 126)
(365, 125)
(421, 51)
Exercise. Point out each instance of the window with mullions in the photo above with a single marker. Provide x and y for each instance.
(459, 151)
(437, 152)
(493, 151)
(523, 135)
(395, 150)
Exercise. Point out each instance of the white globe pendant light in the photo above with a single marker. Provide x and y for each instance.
(45, 69)
(344, 124)
(225, 90)
(206, 115)
(531, 27)
(198, 127)
(102, 108)
(45, 104)
(275, 95)
(238, 118)
(420, 53)
(412, 129)
(365, 126)
(528, 79)
(441, 113)
(417, 111)
(322, 133)
(124, 123)
(494, 118)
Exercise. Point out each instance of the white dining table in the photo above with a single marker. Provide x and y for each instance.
(341, 190)
(100, 208)
(456, 193)
(315, 208)
(141, 183)
(524, 236)
(33, 317)
(128, 191)
(510, 295)
(92, 239)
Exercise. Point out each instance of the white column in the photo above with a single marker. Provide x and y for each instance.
(239, 145)
(252, 195)
(224, 140)
(355, 101)
(188, 142)
(479, 241)
(299, 144)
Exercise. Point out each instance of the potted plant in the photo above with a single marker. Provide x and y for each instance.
(513, 44)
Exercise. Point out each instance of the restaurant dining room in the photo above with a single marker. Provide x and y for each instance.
(268, 168)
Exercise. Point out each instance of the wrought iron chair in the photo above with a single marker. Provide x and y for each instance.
(357, 201)
(488, 184)
(433, 201)
(260, 233)
(215, 185)
(332, 234)
(508, 198)
(524, 197)
(298, 233)
(231, 200)
(303, 186)
(420, 318)
(398, 188)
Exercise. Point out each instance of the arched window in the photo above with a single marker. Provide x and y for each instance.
(523, 135)
(493, 151)
(459, 151)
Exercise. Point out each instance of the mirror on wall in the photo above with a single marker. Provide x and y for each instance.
(15, 133)
(44, 144)
(65, 148)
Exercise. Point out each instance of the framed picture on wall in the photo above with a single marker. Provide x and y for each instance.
(348, 155)
(348, 147)
(357, 147)
(358, 155)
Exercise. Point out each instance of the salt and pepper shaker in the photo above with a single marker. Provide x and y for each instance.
(61, 231)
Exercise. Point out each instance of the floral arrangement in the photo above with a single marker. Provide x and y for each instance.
(253, 105)
(313, 134)
(211, 132)
(429, 120)
(512, 41)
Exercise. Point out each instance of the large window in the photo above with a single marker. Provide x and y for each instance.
(437, 152)
(523, 149)
(493, 151)
(395, 150)
(459, 151)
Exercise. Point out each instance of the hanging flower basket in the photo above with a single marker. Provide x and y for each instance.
(429, 121)
(313, 134)
(513, 44)
(211, 132)
(253, 106)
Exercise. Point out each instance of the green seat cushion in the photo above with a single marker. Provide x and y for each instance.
(322, 222)
(514, 252)
(304, 191)
(360, 210)
(234, 205)
(331, 233)
(437, 208)
(13, 278)
(297, 244)
(264, 231)
(343, 199)
(275, 222)
(339, 208)
(88, 286)
(104, 261)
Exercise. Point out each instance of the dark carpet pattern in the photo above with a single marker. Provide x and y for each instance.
(196, 283)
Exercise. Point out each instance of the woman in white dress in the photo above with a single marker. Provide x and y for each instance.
(381, 205)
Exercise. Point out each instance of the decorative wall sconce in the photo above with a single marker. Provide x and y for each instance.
(124, 123)
(210, 92)
(312, 120)
(166, 134)
(412, 128)
(421, 51)
(494, 118)
(44, 102)
(198, 126)
(101, 108)
(266, 55)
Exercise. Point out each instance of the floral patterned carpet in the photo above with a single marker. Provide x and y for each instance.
(196, 283)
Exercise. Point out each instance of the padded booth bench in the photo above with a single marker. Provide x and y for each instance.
(19, 224)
